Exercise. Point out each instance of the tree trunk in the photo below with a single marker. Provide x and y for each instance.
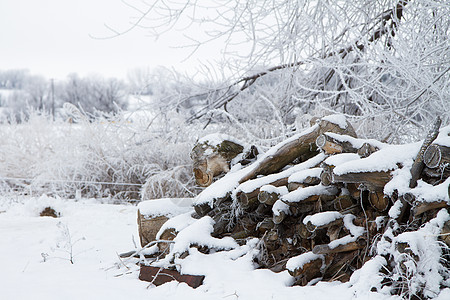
(304, 144)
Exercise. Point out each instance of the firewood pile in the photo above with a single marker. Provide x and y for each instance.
(320, 201)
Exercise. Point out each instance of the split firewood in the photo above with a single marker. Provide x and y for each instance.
(148, 227)
(330, 145)
(374, 181)
(306, 267)
(168, 235)
(270, 194)
(303, 231)
(337, 268)
(212, 158)
(427, 206)
(436, 156)
(351, 246)
(378, 201)
(292, 186)
(334, 231)
(343, 202)
(265, 225)
(288, 152)
(304, 178)
(418, 164)
(202, 209)
(311, 226)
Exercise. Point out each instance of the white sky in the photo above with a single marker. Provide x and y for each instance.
(51, 37)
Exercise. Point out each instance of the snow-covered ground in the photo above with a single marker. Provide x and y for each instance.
(35, 256)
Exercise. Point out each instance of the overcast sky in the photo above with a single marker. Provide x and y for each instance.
(52, 38)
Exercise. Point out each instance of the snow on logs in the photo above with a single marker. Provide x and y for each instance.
(317, 200)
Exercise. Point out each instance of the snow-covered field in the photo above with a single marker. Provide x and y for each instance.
(36, 254)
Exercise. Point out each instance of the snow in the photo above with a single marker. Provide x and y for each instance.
(178, 223)
(385, 159)
(299, 261)
(425, 192)
(355, 142)
(168, 207)
(251, 185)
(395, 210)
(341, 158)
(215, 139)
(300, 176)
(230, 181)
(322, 218)
(301, 194)
(337, 119)
(282, 190)
(443, 138)
(199, 233)
(100, 231)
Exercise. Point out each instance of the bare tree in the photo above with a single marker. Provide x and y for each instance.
(379, 62)
(94, 94)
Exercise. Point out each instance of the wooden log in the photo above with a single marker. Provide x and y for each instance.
(278, 218)
(270, 195)
(211, 160)
(249, 156)
(326, 177)
(292, 186)
(159, 276)
(336, 269)
(343, 202)
(445, 233)
(265, 225)
(366, 150)
(303, 231)
(168, 235)
(427, 206)
(378, 201)
(247, 199)
(334, 231)
(308, 271)
(268, 198)
(374, 181)
(330, 145)
(202, 209)
(418, 165)
(311, 227)
(148, 227)
(436, 156)
(325, 249)
(294, 149)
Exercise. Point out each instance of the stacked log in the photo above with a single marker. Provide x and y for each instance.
(315, 220)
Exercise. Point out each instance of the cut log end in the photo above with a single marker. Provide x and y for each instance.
(202, 178)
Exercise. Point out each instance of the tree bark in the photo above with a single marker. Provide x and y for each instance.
(325, 249)
(374, 181)
(330, 145)
(417, 167)
(287, 153)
